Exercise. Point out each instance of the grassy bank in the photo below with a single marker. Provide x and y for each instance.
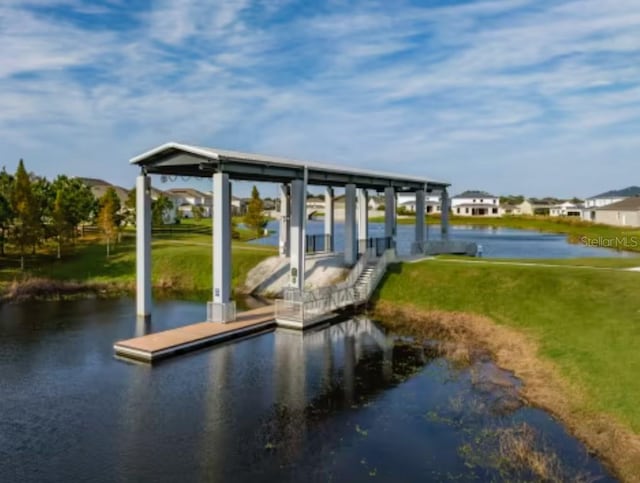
(583, 326)
(578, 231)
(180, 263)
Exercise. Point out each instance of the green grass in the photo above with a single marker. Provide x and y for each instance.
(587, 321)
(180, 263)
(597, 262)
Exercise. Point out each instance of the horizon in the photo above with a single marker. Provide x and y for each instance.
(539, 98)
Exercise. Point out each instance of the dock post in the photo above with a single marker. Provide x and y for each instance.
(350, 240)
(363, 220)
(285, 213)
(444, 214)
(298, 234)
(222, 308)
(143, 246)
(329, 219)
(390, 212)
(418, 245)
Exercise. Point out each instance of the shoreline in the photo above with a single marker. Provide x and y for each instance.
(543, 386)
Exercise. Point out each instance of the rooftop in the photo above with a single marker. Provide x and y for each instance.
(629, 204)
(186, 160)
(475, 194)
(621, 193)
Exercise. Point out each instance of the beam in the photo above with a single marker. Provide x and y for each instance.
(363, 219)
(350, 240)
(143, 246)
(285, 213)
(222, 308)
(298, 234)
(418, 245)
(329, 219)
(444, 214)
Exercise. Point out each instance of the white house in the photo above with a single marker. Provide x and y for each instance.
(408, 202)
(607, 198)
(185, 199)
(566, 209)
(475, 203)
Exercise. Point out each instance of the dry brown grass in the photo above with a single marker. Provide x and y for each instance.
(45, 289)
(470, 335)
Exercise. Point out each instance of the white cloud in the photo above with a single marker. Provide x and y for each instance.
(475, 93)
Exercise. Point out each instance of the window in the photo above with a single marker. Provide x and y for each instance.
(494, 211)
(458, 210)
(495, 201)
(466, 210)
(482, 201)
(474, 200)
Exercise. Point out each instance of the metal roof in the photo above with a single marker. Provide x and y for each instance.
(186, 160)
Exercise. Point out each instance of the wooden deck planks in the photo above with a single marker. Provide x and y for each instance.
(162, 344)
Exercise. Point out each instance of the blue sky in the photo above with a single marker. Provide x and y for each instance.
(510, 96)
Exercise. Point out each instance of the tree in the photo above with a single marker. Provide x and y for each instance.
(198, 212)
(108, 216)
(25, 210)
(159, 208)
(60, 218)
(76, 202)
(254, 218)
(130, 207)
(5, 219)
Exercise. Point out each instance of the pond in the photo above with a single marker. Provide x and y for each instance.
(344, 403)
(496, 242)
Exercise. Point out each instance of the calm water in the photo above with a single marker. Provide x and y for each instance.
(496, 242)
(345, 403)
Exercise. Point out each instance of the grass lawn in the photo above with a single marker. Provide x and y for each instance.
(586, 321)
(181, 263)
(594, 262)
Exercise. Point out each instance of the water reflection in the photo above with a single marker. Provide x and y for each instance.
(346, 402)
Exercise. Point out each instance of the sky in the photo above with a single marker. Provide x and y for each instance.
(529, 97)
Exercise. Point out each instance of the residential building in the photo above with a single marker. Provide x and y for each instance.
(475, 203)
(566, 208)
(238, 206)
(605, 199)
(431, 202)
(99, 187)
(622, 213)
(187, 198)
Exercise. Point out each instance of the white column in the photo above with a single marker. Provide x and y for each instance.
(363, 219)
(298, 234)
(350, 236)
(389, 212)
(418, 246)
(222, 308)
(444, 215)
(143, 246)
(285, 212)
(329, 220)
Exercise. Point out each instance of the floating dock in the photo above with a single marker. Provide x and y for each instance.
(149, 348)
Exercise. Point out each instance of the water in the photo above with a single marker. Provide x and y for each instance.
(345, 403)
(496, 242)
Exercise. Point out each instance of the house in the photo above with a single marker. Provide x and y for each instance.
(238, 206)
(623, 213)
(315, 203)
(99, 187)
(475, 203)
(605, 199)
(186, 199)
(408, 202)
(566, 208)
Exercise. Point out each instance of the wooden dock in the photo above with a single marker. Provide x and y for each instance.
(163, 344)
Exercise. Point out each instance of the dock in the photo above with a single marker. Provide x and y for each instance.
(151, 347)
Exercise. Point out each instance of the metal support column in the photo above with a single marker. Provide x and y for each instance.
(350, 239)
(298, 234)
(143, 246)
(285, 212)
(329, 219)
(363, 220)
(444, 215)
(390, 213)
(222, 308)
(418, 245)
